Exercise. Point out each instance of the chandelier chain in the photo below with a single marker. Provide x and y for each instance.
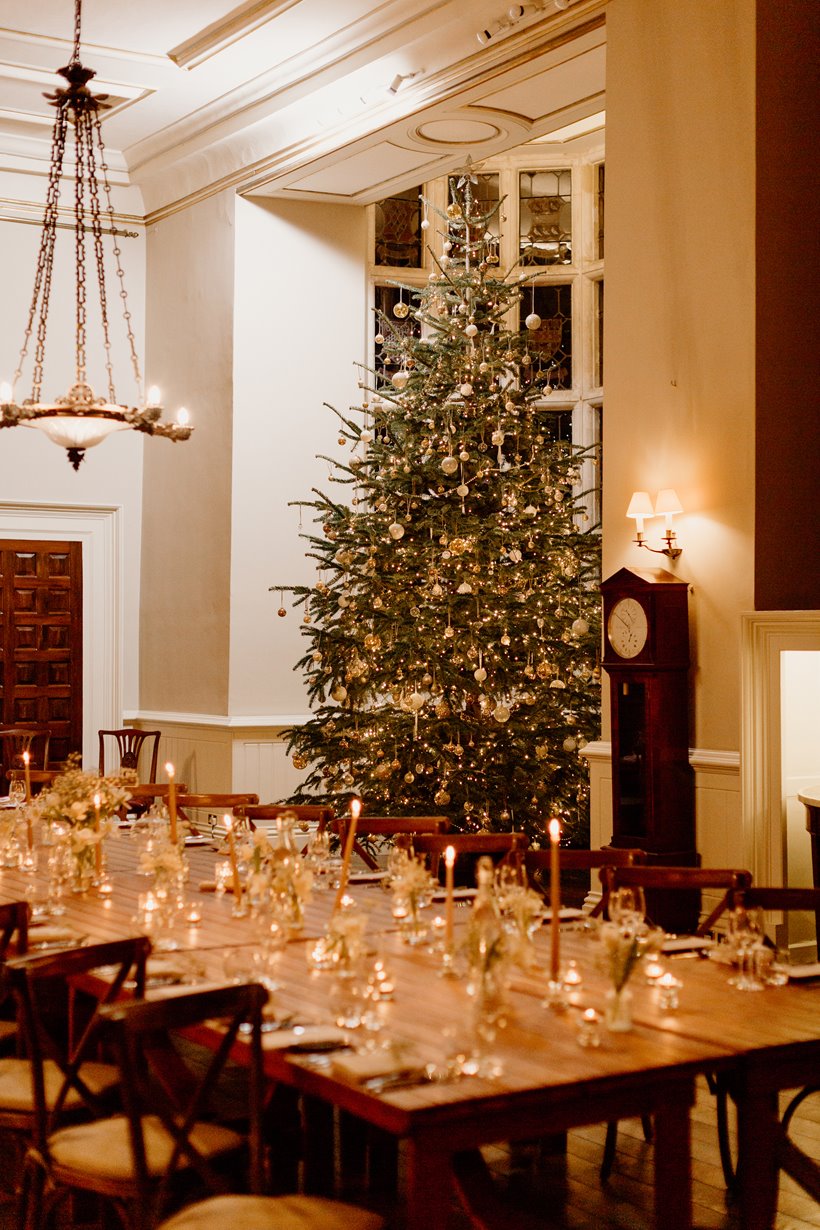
(117, 253)
(78, 18)
(96, 230)
(45, 263)
(81, 156)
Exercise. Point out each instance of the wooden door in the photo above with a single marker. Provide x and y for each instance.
(41, 640)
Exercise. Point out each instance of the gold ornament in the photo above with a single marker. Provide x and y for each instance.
(299, 762)
(441, 798)
(453, 211)
(400, 310)
(281, 612)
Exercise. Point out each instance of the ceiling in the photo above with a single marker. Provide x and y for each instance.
(294, 97)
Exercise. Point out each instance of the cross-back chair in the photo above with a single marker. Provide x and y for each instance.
(14, 919)
(218, 804)
(387, 826)
(469, 847)
(681, 879)
(538, 864)
(176, 1152)
(129, 744)
(319, 814)
(59, 1080)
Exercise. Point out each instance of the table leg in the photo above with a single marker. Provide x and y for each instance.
(757, 1168)
(429, 1185)
(673, 1164)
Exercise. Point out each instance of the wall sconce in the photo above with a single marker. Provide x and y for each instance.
(667, 505)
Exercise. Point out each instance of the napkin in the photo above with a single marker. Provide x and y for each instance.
(303, 1037)
(803, 973)
(567, 913)
(366, 877)
(167, 970)
(459, 894)
(42, 935)
(686, 943)
(367, 1065)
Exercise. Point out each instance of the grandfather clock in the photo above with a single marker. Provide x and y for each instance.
(646, 655)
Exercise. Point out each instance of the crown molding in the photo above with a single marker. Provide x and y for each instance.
(214, 38)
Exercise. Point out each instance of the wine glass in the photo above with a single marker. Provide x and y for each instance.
(627, 907)
(746, 930)
(17, 791)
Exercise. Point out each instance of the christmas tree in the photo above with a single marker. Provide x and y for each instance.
(453, 630)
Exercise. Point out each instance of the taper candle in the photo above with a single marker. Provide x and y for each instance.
(555, 899)
(172, 802)
(449, 864)
(355, 810)
(98, 846)
(27, 773)
(237, 883)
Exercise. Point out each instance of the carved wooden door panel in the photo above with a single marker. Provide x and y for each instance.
(41, 663)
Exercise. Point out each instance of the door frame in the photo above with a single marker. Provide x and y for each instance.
(99, 529)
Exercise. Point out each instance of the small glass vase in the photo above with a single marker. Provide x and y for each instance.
(618, 1012)
(84, 871)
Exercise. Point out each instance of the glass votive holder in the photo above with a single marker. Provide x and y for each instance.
(222, 876)
(147, 907)
(589, 1028)
(653, 970)
(772, 966)
(556, 996)
(668, 992)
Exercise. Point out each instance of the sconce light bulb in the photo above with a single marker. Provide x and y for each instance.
(5, 393)
(183, 417)
(154, 396)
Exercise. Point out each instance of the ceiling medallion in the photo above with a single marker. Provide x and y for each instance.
(80, 420)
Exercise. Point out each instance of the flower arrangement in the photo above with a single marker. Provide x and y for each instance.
(522, 910)
(276, 873)
(411, 880)
(624, 947)
(70, 800)
(162, 860)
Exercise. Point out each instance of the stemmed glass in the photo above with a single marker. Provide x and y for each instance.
(746, 936)
(17, 791)
(627, 907)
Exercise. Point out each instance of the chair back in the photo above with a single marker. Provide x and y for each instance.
(34, 980)
(145, 791)
(216, 803)
(386, 826)
(538, 864)
(469, 847)
(140, 1035)
(18, 739)
(14, 919)
(319, 814)
(681, 879)
(129, 742)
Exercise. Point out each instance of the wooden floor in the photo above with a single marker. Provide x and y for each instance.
(537, 1190)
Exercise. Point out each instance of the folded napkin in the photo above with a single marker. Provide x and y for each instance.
(159, 970)
(43, 935)
(367, 1065)
(804, 973)
(304, 1038)
(686, 943)
(366, 877)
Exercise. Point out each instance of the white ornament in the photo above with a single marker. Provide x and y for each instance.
(515, 556)
(378, 339)
(449, 465)
(533, 321)
(436, 590)
(462, 490)
(399, 379)
(501, 714)
(580, 627)
(425, 224)
(569, 744)
(483, 368)
(471, 330)
(366, 437)
(415, 702)
(466, 389)
(479, 674)
(530, 511)
(396, 530)
(497, 437)
(464, 588)
(509, 406)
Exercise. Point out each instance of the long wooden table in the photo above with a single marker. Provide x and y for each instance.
(546, 1083)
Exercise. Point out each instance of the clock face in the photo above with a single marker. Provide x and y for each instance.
(627, 628)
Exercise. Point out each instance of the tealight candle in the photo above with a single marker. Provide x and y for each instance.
(668, 992)
(572, 976)
(589, 1028)
(653, 970)
(193, 917)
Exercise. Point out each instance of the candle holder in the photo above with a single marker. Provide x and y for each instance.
(669, 992)
(556, 998)
(571, 977)
(448, 962)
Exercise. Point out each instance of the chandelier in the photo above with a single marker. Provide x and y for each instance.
(80, 420)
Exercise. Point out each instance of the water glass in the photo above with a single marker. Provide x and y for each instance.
(627, 907)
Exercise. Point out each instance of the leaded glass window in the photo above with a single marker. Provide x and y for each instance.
(398, 230)
(545, 217)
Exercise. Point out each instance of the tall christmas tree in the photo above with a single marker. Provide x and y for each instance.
(453, 629)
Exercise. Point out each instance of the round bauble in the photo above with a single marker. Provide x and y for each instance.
(453, 210)
(415, 702)
(580, 627)
(497, 437)
(533, 321)
(400, 310)
(465, 390)
(366, 437)
(396, 530)
(501, 714)
(281, 612)
(569, 744)
(510, 406)
(427, 679)
(464, 455)
(483, 368)
(479, 674)
(339, 693)
(379, 339)
(471, 330)
(441, 798)
(449, 465)
(462, 490)
(409, 778)
(425, 224)
(299, 762)
(399, 379)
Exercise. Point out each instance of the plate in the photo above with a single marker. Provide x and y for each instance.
(459, 894)
(366, 877)
(686, 943)
(566, 913)
(804, 973)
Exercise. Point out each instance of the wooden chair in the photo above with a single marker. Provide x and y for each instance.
(319, 814)
(14, 741)
(387, 826)
(169, 1135)
(146, 792)
(469, 847)
(538, 863)
(681, 879)
(59, 1081)
(14, 919)
(215, 803)
(129, 742)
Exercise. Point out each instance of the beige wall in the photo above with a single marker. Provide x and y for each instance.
(184, 643)
(680, 340)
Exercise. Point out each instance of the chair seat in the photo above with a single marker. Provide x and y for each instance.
(17, 1094)
(103, 1148)
(273, 1213)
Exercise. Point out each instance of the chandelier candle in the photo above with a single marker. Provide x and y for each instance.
(555, 898)
(449, 863)
(172, 802)
(355, 810)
